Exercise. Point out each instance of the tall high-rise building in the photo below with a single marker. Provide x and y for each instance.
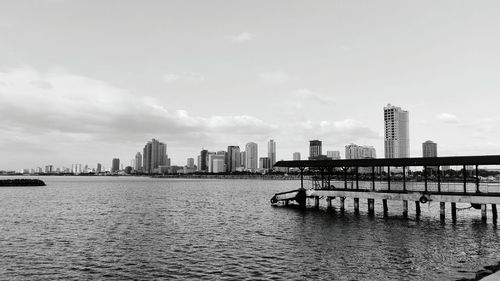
(353, 151)
(265, 163)
(296, 156)
(98, 168)
(215, 163)
(203, 160)
(333, 154)
(314, 149)
(397, 132)
(243, 159)
(271, 152)
(429, 149)
(115, 165)
(233, 158)
(138, 162)
(154, 155)
(252, 155)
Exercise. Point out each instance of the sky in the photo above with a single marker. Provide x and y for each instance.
(87, 81)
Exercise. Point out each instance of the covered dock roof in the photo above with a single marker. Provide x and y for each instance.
(394, 162)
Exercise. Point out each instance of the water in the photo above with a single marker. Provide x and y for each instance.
(140, 228)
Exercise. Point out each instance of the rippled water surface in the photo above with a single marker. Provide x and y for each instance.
(141, 228)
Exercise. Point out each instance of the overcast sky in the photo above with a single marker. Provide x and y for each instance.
(87, 81)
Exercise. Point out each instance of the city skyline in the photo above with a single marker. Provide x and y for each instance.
(305, 71)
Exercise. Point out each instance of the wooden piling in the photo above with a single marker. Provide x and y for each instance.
(371, 207)
(405, 208)
(453, 211)
(316, 202)
(286, 202)
(356, 205)
(384, 203)
(417, 208)
(342, 204)
(483, 212)
(442, 209)
(494, 212)
(329, 202)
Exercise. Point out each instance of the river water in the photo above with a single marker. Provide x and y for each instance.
(141, 229)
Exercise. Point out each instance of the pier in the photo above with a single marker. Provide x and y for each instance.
(447, 180)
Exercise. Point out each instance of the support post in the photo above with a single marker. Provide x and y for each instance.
(494, 214)
(477, 178)
(357, 177)
(425, 178)
(384, 203)
(373, 178)
(371, 207)
(442, 209)
(356, 205)
(483, 212)
(417, 208)
(439, 177)
(342, 204)
(316, 202)
(329, 202)
(465, 179)
(286, 202)
(453, 211)
(404, 178)
(405, 208)
(345, 177)
(301, 177)
(389, 178)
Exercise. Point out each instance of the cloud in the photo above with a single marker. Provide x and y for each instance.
(185, 76)
(447, 118)
(309, 95)
(61, 105)
(274, 77)
(242, 37)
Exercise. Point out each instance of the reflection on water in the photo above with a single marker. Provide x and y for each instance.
(141, 228)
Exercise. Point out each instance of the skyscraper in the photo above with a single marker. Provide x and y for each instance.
(203, 160)
(98, 168)
(233, 158)
(314, 149)
(429, 149)
(115, 165)
(397, 132)
(271, 152)
(252, 155)
(138, 161)
(154, 155)
(296, 156)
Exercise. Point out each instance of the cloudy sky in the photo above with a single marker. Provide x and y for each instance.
(86, 81)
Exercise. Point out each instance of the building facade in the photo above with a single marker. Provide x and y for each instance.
(315, 149)
(154, 155)
(333, 154)
(252, 154)
(296, 156)
(233, 158)
(429, 149)
(138, 162)
(115, 165)
(354, 151)
(396, 133)
(271, 152)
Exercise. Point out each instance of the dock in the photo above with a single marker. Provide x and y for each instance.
(447, 180)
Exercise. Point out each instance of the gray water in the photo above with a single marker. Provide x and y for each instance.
(140, 228)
